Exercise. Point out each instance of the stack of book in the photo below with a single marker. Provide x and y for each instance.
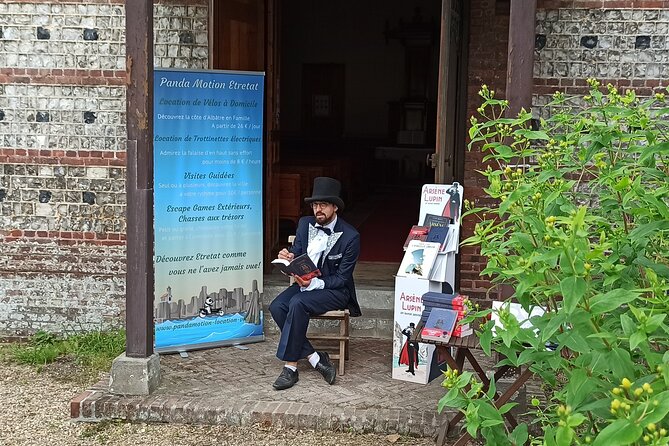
(432, 230)
(435, 229)
(446, 304)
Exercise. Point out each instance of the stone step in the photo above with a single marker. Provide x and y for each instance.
(376, 304)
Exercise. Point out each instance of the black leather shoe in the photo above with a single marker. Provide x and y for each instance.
(326, 368)
(286, 379)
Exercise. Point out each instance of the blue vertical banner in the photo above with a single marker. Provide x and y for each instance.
(208, 170)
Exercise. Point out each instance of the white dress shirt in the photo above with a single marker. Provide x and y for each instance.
(315, 249)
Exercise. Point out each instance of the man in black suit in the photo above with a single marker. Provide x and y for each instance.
(334, 246)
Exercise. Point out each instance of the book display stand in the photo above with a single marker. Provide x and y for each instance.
(428, 265)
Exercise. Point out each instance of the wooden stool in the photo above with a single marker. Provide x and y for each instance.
(343, 317)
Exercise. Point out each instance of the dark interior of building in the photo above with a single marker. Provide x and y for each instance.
(358, 102)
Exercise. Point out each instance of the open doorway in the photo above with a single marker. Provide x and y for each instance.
(360, 91)
(358, 102)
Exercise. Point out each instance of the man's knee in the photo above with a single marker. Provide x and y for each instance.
(297, 304)
(276, 307)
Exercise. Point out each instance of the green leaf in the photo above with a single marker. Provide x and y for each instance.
(451, 399)
(579, 387)
(503, 151)
(619, 433)
(525, 240)
(622, 184)
(653, 151)
(533, 134)
(597, 405)
(658, 413)
(549, 436)
(627, 324)
(495, 436)
(473, 419)
(576, 419)
(564, 436)
(573, 290)
(488, 423)
(621, 364)
(492, 389)
(519, 435)
(640, 234)
(637, 338)
(658, 268)
(604, 303)
(575, 341)
(553, 325)
(487, 411)
(654, 322)
(485, 338)
(578, 220)
(507, 407)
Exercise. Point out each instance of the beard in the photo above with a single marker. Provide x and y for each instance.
(323, 220)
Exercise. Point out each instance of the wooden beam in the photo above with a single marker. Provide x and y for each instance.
(520, 61)
(444, 143)
(139, 179)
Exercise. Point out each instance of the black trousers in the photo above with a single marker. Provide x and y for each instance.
(291, 311)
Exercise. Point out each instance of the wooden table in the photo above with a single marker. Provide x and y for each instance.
(463, 348)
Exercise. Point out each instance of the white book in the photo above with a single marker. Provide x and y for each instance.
(452, 243)
(418, 259)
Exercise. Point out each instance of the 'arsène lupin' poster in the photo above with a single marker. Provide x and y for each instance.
(416, 361)
(208, 128)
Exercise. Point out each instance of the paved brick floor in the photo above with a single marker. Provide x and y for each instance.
(233, 386)
(229, 385)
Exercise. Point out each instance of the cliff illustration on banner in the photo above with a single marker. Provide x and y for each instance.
(208, 319)
(218, 303)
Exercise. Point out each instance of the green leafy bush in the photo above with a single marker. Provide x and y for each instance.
(580, 227)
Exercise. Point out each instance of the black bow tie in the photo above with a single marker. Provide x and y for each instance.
(326, 230)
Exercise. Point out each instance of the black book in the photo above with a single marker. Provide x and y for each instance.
(301, 266)
(436, 221)
(435, 299)
(438, 234)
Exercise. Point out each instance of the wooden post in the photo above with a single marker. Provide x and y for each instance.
(520, 62)
(444, 139)
(139, 178)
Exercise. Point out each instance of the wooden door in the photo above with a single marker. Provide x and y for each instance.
(448, 160)
(245, 36)
(237, 35)
(272, 137)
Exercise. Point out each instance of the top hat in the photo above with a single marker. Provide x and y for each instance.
(326, 189)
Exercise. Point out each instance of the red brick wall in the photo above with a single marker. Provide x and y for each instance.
(563, 64)
(488, 39)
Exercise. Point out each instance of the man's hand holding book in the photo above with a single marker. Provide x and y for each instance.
(302, 268)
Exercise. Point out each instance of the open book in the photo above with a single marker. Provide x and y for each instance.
(302, 266)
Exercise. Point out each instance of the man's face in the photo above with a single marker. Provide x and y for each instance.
(324, 212)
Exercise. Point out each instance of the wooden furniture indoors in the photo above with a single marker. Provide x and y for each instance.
(290, 201)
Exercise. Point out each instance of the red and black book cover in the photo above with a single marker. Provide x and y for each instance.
(417, 232)
(301, 266)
